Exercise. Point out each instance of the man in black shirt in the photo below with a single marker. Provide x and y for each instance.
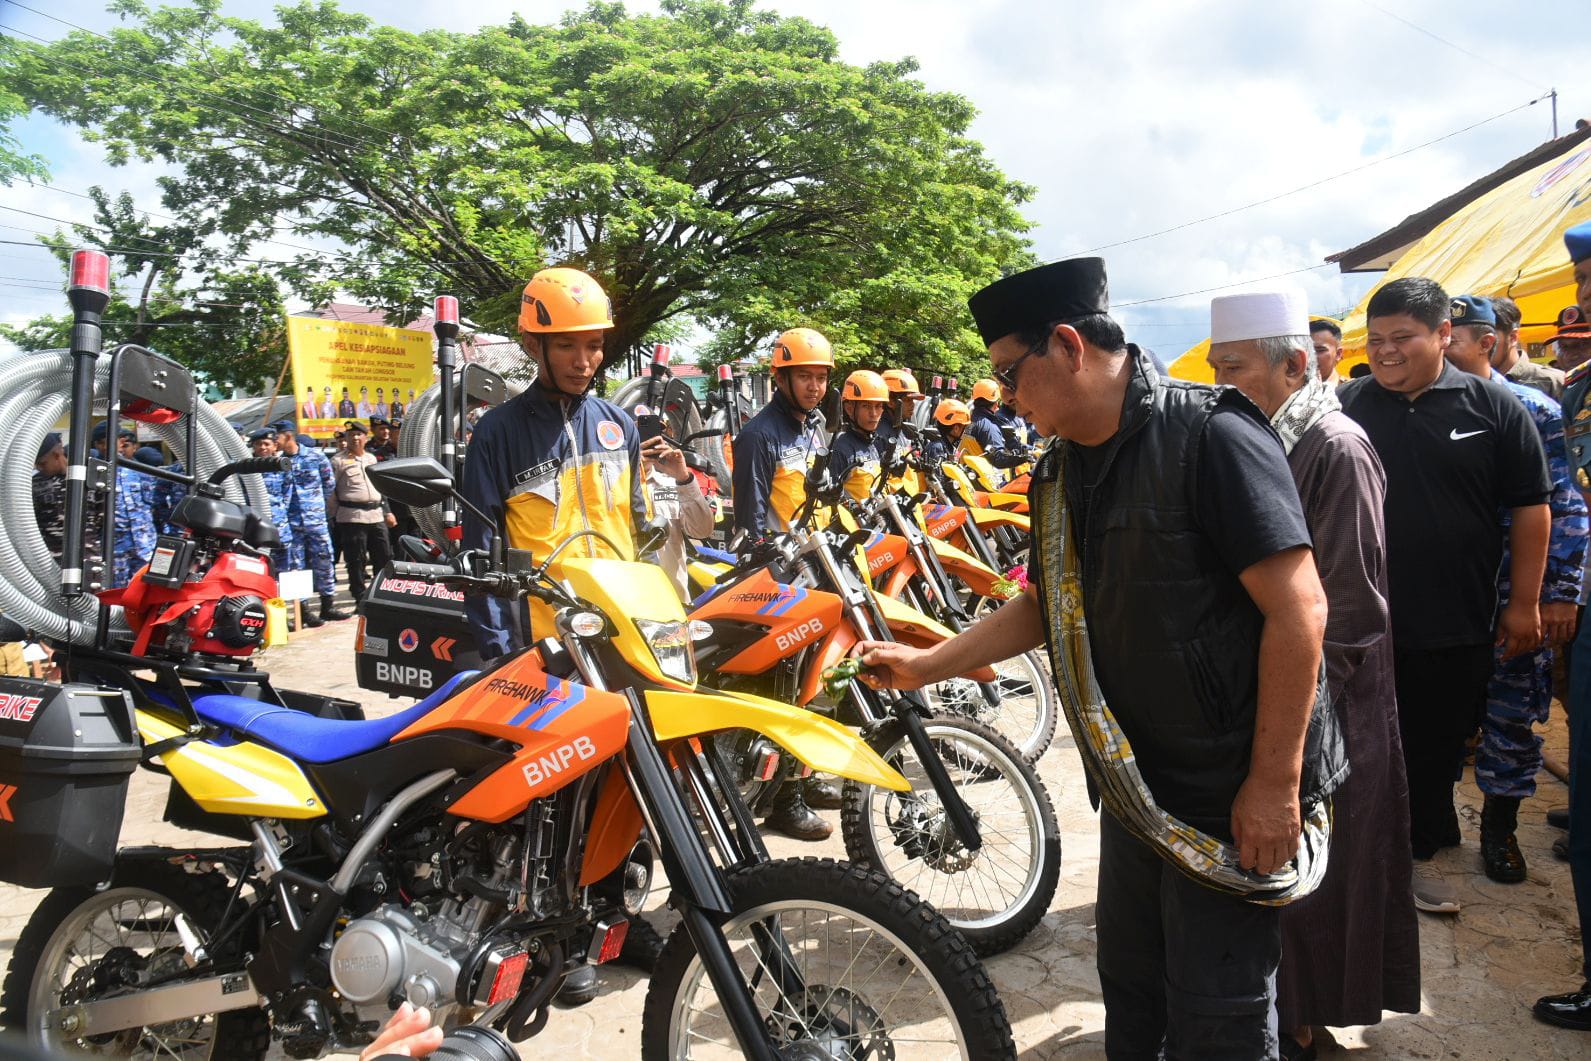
(1458, 451)
(1205, 618)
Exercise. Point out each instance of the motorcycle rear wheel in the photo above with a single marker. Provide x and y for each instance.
(77, 934)
(995, 895)
(878, 973)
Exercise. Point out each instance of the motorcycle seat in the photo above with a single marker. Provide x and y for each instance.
(310, 739)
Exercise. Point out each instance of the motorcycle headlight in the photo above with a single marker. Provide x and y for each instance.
(670, 643)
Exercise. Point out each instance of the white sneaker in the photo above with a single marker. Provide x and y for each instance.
(1432, 892)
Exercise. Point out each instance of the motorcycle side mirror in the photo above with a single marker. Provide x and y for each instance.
(415, 481)
(651, 535)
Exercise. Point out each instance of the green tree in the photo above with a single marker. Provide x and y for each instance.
(712, 164)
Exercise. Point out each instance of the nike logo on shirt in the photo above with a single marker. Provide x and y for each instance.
(1455, 436)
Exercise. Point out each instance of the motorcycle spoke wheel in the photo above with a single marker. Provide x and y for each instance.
(1024, 713)
(995, 894)
(841, 963)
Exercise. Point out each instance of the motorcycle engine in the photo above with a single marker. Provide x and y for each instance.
(392, 952)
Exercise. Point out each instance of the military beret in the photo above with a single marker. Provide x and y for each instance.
(1578, 241)
(262, 434)
(1472, 309)
(102, 429)
(380, 421)
(282, 425)
(47, 446)
(355, 428)
(1058, 291)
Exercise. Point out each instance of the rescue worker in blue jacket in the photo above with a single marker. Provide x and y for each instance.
(556, 459)
(1520, 691)
(986, 434)
(312, 482)
(551, 462)
(855, 461)
(773, 454)
(776, 448)
(262, 443)
(133, 523)
(941, 441)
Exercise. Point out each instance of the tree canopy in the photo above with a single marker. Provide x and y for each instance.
(712, 164)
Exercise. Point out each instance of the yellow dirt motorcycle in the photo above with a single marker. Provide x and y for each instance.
(464, 854)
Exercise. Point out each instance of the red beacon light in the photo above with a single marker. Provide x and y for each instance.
(660, 353)
(950, 384)
(90, 271)
(725, 374)
(446, 309)
(939, 381)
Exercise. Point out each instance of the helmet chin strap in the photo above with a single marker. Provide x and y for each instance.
(544, 377)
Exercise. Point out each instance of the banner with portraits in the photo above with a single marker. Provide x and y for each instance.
(344, 371)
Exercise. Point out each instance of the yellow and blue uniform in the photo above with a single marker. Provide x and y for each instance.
(854, 461)
(985, 436)
(773, 454)
(548, 467)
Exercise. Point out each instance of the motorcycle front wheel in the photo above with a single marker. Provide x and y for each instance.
(841, 962)
(994, 895)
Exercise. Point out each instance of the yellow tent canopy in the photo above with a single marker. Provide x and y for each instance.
(1507, 242)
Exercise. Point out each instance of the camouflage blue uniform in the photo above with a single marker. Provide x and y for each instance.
(165, 496)
(134, 537)
(280, 488)
(313, 482)
(1520, 692)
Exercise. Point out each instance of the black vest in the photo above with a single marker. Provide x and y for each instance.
(1175, 636)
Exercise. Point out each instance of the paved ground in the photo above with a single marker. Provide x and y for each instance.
(1482, 969)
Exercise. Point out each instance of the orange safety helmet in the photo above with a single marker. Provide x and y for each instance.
(564, 300)
(951, 411)
(802, 346)
(901, 381)
(987, 389)
(865, 386)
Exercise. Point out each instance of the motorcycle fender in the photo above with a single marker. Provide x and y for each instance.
(995, 517)
(821, 743)
(615, 827)
(977, 575)
(241, 778)
(911, 627)
(1017, 503)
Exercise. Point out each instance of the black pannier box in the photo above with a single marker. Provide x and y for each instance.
(66, 754)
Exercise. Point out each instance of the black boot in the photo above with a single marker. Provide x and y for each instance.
(1504, 862)
(311, 620)
(579, 986)
(1572, 1010)
(792, 817)
(821, 793)
(328, 609)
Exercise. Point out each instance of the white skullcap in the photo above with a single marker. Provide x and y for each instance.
(1258, 315)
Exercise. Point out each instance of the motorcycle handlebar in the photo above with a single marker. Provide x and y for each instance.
(411, 569)
(250, 465)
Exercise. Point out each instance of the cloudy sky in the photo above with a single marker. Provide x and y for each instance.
(1130, 118)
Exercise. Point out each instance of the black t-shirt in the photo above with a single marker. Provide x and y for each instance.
(1247, 503)
(1454, 457)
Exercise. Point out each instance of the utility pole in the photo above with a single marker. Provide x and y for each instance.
(1555, 114)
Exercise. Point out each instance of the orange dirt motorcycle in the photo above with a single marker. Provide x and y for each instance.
(976, 834)
(463, 854)
(907, 564)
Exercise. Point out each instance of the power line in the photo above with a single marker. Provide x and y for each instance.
(1489, 60)
(1223, 287)
(1315, 184)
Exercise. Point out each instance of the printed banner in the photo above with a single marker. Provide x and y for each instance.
(347, 371)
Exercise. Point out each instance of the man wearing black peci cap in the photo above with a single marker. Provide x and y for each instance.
(1192, 600)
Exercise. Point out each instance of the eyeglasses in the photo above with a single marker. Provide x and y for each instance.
(1006, 376)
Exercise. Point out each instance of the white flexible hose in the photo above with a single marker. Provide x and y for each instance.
(34, 391)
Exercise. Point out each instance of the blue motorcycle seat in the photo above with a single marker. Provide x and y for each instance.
(315, 740)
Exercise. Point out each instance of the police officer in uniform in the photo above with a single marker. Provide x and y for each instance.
(773, 454)
(1573, 1009)
(133, 534)
(49, 504)
(263, 444)
(1520, 692)
(312, 482)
